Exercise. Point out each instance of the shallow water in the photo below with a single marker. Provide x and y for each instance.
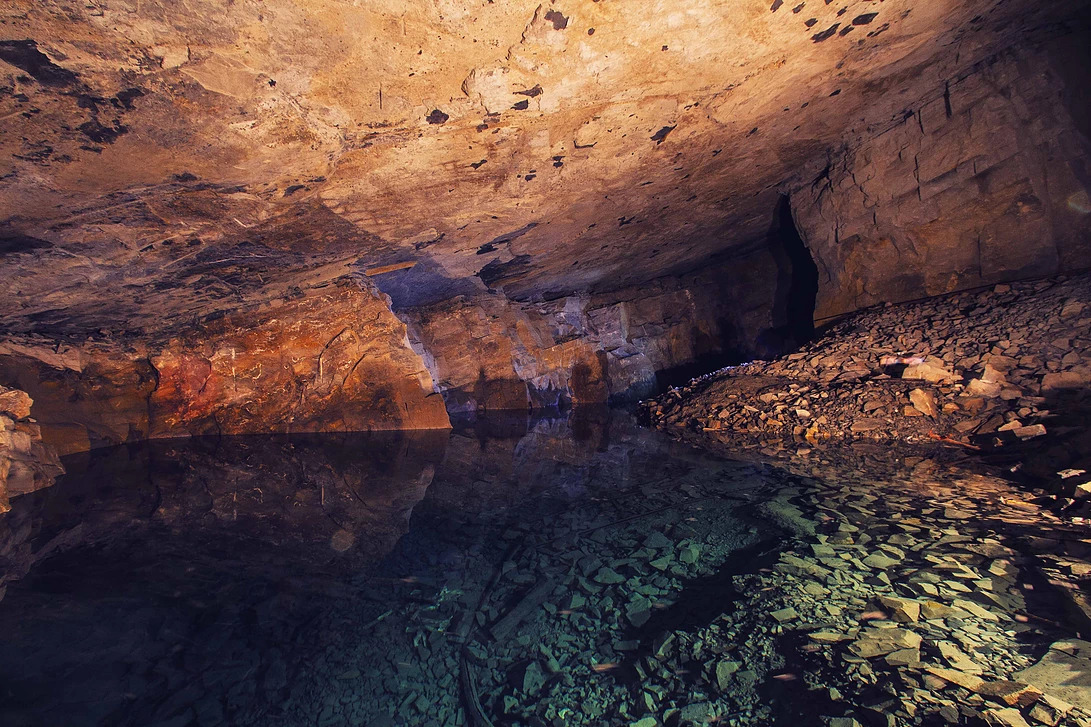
(563, 571)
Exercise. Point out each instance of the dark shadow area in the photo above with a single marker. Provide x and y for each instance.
(796, 286)
(705, 363)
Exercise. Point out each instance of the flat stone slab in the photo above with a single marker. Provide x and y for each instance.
(1064, 671)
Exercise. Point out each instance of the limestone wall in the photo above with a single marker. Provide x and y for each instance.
(488, 352)
(333, 360)
(986, 180)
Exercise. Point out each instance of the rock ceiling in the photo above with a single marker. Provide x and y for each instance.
(165, 161)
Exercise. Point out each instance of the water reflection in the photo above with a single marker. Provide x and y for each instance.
(203, 580)
(515, 571)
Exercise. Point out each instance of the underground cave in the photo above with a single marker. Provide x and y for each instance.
(590, 363)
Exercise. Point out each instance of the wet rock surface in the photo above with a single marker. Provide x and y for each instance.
(580, 572)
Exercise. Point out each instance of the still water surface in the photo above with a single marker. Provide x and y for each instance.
(566, 571)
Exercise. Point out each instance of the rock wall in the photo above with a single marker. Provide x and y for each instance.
(488, 352)
(338, 359)
(986, 180)
(26, 463)
(333, 360)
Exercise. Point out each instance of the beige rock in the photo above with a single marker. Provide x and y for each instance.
(1064, 672)
(958, 660)
(930, 370)
(980, 387)
(902, 609)
(924, 402)
(960, 678)
(15, 402)
(874, 642)
(1005, 718)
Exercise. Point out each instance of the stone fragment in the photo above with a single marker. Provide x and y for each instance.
(828, 637)
(929, 370)
(1050, 710)
(879, 642)
(962, 679)
(880, 561)
(975, 610)
(980, 387)
(608, 576)
(1013, 694)
(867, 425)
(904, 657)
(696, 712)
(1008, 717)
(1029, 432)
(724, 671)
(931, 610)
(785, 614)
(958, 660)
(1065, 380)
(15, 403)
(924, 402)
(902, 609)
(1064, 671)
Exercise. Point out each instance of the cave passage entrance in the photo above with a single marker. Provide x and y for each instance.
(797, 278)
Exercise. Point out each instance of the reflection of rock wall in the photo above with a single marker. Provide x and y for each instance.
(338, 496)
(986, 181)
(492, 353)
(26, 463)
(337, 360)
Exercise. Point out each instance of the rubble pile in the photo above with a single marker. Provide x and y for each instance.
(985, 369)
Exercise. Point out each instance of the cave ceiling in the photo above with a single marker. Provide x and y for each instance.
(168, 161)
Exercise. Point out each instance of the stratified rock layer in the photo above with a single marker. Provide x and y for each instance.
(986, 181)
(334, 360)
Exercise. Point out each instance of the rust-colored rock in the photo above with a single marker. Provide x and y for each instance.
(334, 361)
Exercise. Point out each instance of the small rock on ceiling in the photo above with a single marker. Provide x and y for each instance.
(164, 161)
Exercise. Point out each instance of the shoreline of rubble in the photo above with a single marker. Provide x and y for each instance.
(1003, 372)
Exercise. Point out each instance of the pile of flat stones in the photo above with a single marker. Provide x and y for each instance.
(983, 368)
(913, 608)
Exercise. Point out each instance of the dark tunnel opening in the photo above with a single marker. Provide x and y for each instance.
(796, 285)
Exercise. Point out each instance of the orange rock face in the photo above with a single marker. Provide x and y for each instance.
(336, 361)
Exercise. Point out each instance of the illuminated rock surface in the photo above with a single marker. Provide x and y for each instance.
(563, 202)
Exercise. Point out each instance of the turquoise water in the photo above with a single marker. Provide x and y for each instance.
(568, 571)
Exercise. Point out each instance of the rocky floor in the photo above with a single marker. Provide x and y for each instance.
(986, 369)
(914, 597)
